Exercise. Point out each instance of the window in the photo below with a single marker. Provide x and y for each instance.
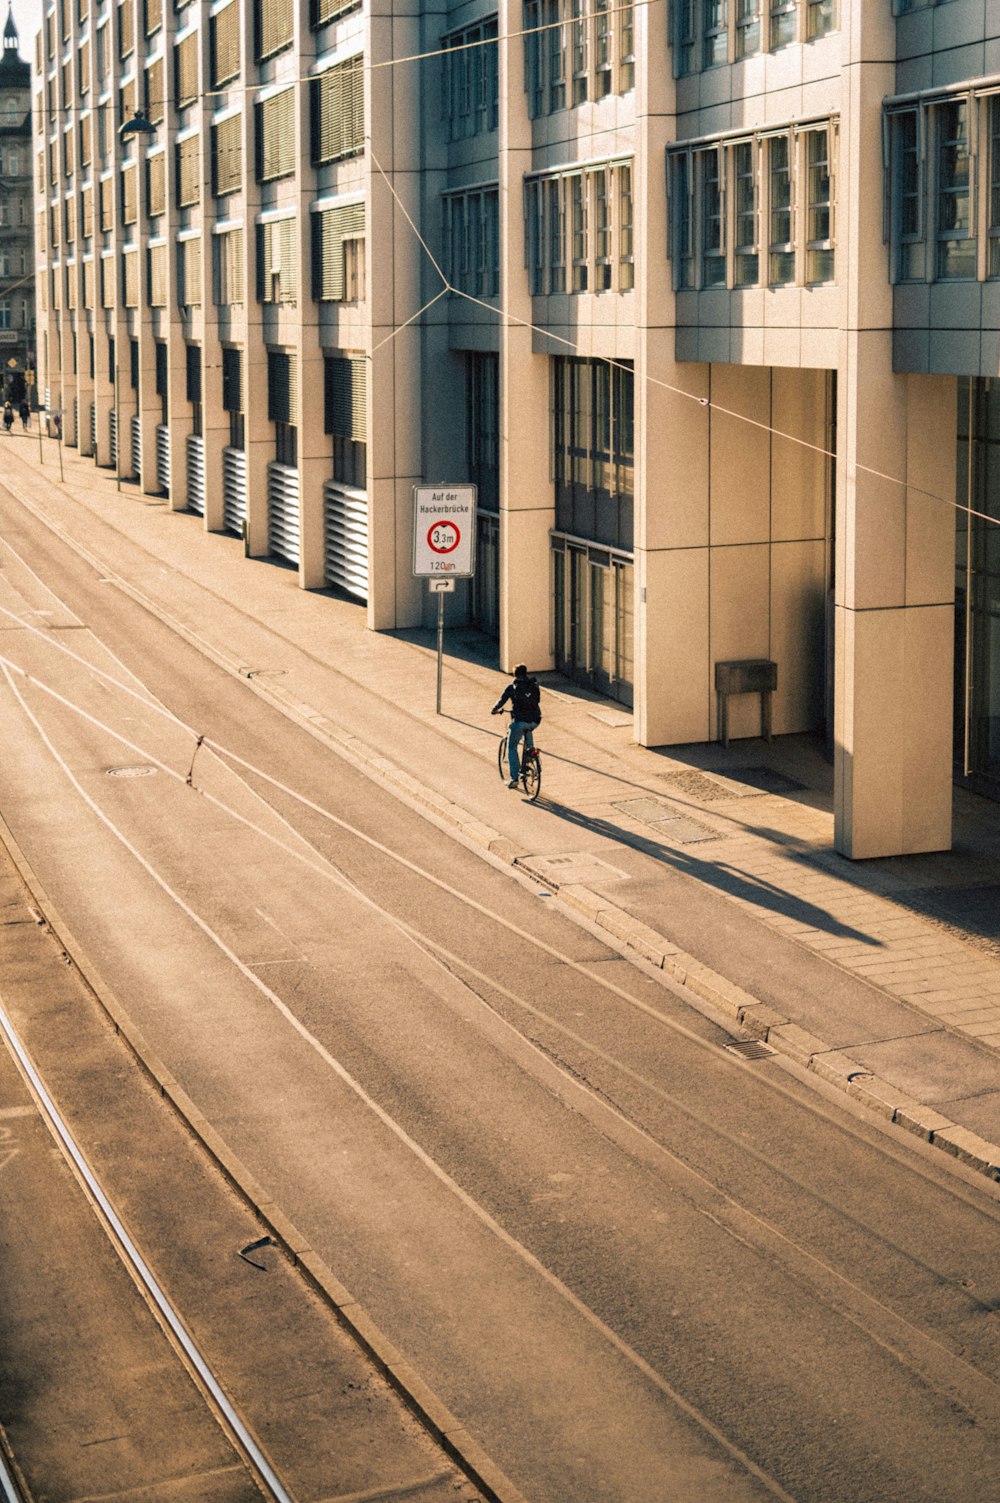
(713, 245)
(156, 92)
(277, 262)
(276, 136)
(626, 261)
(224, 40)
(907, 194)
(956, 249)
(708, 33)
(345, 417)
(126, 29)
(232, 395)
(282, 397)
(746, 261)
(156, 187)
(579, 230)
(274, 21)
(130, 278)
(192, 384)
(599, 38)
(747, 27)
(229, 268)
(130, 197)
(593, 449)
(783, 22)
(338, 112)
(188, 171)
(472, 230)
(819, 208)
(189, 273)
(482, 428)
(154, 16)
(158, 275)
(339, 253)
(781, 260)
(227, 155)
(715, 33)
(471, 88)
(325, 11)
(821, 18)
(715, 196)
(186, 70)
(162, 371)
(993, 258)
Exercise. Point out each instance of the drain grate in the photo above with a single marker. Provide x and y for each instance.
(751, 1049)
(130, 772)
(693, 784)
(762, 779)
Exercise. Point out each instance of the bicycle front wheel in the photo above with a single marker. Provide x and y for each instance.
(531, 776)
(502, 756)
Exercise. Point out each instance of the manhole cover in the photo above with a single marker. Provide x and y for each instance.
(130, 772)
(763, 779)
(575, 868)
(665, 821)
(751, 1049)
(696, 785)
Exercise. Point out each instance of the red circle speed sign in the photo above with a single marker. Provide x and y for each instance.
(443, 537)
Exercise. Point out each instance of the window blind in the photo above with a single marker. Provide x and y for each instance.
(227, 155)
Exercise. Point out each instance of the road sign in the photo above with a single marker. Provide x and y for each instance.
(444, 531)
(442, 586)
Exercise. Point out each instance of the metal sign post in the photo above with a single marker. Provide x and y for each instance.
(444, 546)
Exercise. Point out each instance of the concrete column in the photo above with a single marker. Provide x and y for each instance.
(394, 282)
(895, 547)
(315, 462)
(527, 492)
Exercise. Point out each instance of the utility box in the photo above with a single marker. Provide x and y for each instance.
(746, 676)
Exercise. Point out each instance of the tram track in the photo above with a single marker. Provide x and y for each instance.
(934, 1361)
(161, 1307)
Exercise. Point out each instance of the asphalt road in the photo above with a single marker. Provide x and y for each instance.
(635, 1266)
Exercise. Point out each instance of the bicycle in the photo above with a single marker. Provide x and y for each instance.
(531, 764)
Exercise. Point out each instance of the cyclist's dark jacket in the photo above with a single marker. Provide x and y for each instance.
(524, 697)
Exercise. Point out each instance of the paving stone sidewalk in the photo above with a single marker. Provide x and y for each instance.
(896, 989)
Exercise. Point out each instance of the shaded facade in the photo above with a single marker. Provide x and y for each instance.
(17, 238)
(700, 296)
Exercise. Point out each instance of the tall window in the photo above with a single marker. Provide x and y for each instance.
(277, 262)
(907, 193)
(227, 155)
(993, 259)
(580, 231)
(274, 26)
(471, 86)
(338, 111)
(713, 248)
(715, 33)
(819, 208)
(282, 400)
(339, 254)
(232, 395)
(626, 259)
(781, 261)
(225, 44)
(472, 234)
(593, 449)
(482, 428)
(956, 250)
(345, 417)
(747, 27)
(783, 22)
(276, 136)
(746, 264)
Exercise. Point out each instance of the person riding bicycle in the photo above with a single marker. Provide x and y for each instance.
(524, 697)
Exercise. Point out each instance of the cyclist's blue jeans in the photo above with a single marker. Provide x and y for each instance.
(519, 728)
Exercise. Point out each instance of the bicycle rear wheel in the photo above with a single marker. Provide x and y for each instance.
(502, 757)
(531, 775)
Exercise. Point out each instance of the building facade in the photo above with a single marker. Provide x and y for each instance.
(17, 238)
(701, 295)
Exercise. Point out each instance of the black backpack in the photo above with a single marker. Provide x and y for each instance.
(525, 700)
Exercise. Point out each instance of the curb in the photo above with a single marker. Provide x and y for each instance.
(759, 1019)
(467, 1454)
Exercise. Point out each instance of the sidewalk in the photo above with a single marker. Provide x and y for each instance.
(716, 865)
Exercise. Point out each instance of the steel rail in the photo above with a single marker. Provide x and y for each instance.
(236, 1430)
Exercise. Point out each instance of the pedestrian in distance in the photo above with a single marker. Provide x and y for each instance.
(24, 412)
(8, 416)
(526, 712)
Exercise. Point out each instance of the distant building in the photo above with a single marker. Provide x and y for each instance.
(704, 297)
(17, 237)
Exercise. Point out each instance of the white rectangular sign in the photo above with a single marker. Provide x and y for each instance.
(444, 531)
(441, 584)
